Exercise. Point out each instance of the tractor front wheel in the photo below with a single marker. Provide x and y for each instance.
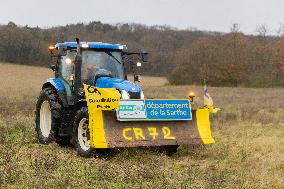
(81, 136)
(81, 133)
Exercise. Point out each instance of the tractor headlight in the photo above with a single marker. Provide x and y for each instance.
(142, 95)
(124, 95)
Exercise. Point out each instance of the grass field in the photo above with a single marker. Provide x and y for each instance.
(249, 149)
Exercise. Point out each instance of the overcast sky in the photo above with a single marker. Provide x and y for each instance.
(213, 15)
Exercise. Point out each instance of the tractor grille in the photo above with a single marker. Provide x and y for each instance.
(134, 95)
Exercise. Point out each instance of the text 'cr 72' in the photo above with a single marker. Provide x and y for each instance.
(149, 133)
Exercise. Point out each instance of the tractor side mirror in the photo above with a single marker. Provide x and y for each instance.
(145, 56)
(53, 67)
(137, 78)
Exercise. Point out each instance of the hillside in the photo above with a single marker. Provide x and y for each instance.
(183, 56)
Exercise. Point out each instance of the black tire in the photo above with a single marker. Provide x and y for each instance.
(56, 109)
(81, 114)
(168, 150)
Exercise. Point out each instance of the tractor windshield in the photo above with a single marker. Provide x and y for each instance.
(99, 63)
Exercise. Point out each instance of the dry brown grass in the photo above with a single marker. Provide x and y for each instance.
(147, 81)
(249, 149)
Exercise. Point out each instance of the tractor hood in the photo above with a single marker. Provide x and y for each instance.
(120, 84)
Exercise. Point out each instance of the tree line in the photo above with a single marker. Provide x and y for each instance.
(232, 59)
(184, 56)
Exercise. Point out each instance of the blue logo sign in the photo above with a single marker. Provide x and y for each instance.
(168, 109)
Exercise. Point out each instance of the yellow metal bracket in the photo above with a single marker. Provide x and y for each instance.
(203, 125)
(99, 99)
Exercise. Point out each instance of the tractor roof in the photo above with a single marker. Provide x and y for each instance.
(93, 45)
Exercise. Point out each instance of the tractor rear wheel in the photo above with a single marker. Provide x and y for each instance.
(48, 117)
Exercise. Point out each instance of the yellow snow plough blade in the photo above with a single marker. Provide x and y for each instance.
(108, 131)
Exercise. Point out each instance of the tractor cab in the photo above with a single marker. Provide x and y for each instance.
(98, 60)
(96, 64)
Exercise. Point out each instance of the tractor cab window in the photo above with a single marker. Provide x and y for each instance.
(66, 66)
(97, 64)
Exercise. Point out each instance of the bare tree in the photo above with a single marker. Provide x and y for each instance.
(235, 28)
(280, 30)
(262, 30)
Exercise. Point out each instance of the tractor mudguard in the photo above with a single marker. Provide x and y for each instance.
(57, 84)
(106, 131)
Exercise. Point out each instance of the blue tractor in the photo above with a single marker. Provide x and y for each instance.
(61, 109)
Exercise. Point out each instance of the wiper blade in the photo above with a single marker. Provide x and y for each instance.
(111, 55)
